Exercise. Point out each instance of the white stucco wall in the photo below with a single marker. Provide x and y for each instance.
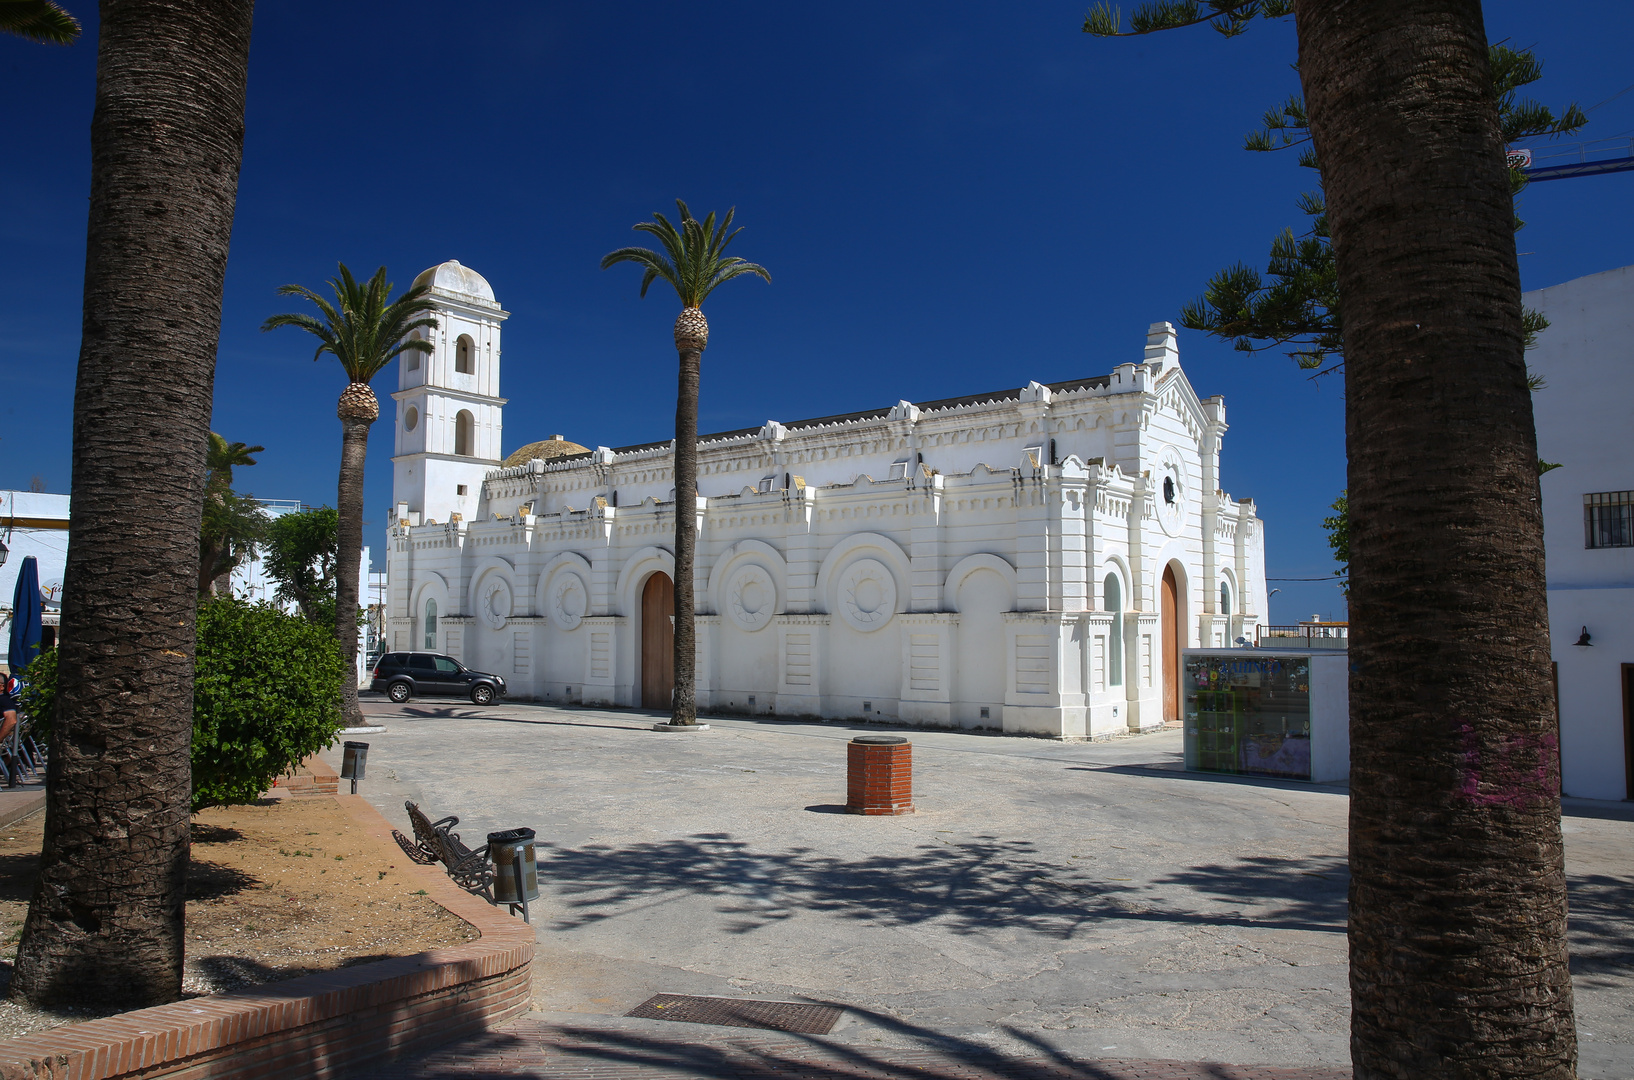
(1584, 415)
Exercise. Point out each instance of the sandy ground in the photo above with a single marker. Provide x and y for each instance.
(276, 890)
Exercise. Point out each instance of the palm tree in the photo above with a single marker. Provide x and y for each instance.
(364, 332)
(38, 20)
(1458, 959)
(233, 523)
(693, 262)
(220, 456)
(167, 136)
(1458, 889)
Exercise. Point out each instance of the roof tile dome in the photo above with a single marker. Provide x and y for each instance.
(547, 449)
(452, 277)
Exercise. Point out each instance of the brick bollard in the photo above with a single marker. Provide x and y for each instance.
(879, 775)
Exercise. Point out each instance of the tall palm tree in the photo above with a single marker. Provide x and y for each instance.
(1458, 959)
(38, 20)
(167, 136)
(693, 262)
(365, 331)
(1458, 888)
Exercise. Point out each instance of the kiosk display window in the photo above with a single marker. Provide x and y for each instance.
(1248, 715)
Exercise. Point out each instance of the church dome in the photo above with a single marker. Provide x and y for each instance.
(547, 449)
(452, 277)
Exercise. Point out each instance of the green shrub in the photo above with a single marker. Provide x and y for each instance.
(266, 694)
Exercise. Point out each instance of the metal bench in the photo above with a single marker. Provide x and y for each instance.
(436, 842)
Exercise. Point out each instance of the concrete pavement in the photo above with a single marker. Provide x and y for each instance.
(1086, 901)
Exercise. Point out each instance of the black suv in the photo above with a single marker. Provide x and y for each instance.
(401, 675)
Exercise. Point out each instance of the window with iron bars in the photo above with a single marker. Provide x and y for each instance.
(1608, 519)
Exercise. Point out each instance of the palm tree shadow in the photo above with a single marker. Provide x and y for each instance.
(930, 1054)
(983, 884)
(1601, 925)
(210, 880)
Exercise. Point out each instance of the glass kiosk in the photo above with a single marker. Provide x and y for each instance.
(1250, 712)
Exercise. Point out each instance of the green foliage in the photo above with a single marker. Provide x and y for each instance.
(301, 554)
(1338, 527)
(266, 694)
(1229, 17)
(694, 259)
(220, 457)
(38, 20)
(232, 523)
(232, 526)
(360, 329)
(39, 698)
(1295, 302)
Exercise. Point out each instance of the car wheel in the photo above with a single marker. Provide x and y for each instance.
(482, 694)
(399, 692)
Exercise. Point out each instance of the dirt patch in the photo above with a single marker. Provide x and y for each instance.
(277, 890)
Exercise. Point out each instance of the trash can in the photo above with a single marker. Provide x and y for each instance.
(516, 873)
(879, 775)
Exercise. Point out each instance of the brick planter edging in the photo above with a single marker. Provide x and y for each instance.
(317, 1026)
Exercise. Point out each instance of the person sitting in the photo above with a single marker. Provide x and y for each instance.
(10, 691)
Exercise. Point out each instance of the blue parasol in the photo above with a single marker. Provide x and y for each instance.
(25, 617)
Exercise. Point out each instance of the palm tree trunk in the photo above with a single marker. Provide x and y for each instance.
(1457, 898)
(354, 449)
(685, 708)
(105, 921)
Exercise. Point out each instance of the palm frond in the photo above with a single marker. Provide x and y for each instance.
(38, 20)
(694, 260)
(361, 329)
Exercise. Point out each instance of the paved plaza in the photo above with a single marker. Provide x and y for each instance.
(1049, 903)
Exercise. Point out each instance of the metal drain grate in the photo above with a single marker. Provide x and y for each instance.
(792, 1016)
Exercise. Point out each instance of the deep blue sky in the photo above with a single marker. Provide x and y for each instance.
(951, 198)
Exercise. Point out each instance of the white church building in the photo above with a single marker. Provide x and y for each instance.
(1030, 560)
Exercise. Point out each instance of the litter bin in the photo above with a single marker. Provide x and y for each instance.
(879, 775)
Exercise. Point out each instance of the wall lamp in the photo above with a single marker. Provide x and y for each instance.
(1583, 639)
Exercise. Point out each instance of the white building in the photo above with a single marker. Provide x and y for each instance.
(1584, 415)
(1029, 559)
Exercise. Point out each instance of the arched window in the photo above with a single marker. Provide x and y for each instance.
(1225, 598)
(431, 623)
(411, 358)
(463, 425)
(463, 350)
(1114, 652)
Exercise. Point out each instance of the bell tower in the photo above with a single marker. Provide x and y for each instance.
(448, 405)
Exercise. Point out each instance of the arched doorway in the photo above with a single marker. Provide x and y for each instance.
(1170, 632)
(978, 674)
(658, 642)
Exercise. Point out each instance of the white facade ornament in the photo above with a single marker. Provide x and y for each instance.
(752, 598)
(867, 595)
(494, 603)
(569, 599)
(1170, 491)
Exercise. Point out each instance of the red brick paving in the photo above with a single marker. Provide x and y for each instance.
(538, 1050)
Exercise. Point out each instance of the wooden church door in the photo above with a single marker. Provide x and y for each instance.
(658, 642)
(1170, 632)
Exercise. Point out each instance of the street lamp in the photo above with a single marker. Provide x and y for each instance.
(4, 552)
